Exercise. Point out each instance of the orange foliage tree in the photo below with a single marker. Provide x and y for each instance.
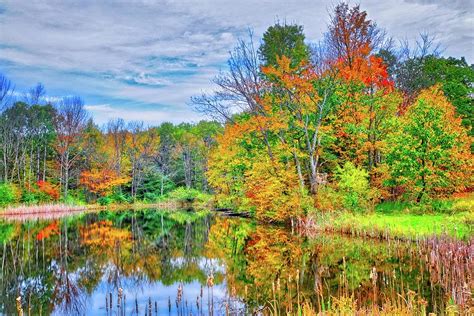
(367, 101)
(101, 181)
(47, 188)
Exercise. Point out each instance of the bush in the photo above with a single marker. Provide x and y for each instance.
(30, 197)
(9, 194)
(150, 197)
(441, 206)
(184, 195)
(199, 199)
(328, 199)
(105, 200)
(119, 198)
(353, 184)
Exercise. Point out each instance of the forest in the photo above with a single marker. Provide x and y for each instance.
(347, 123)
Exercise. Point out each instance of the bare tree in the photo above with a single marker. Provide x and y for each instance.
(237, 87)
(69, 124)
(425, 45)
(6, 91)
(141, 150)
(35, 94)
(116, 130)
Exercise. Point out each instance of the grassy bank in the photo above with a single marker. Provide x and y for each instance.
(406, 225)
(453, 217)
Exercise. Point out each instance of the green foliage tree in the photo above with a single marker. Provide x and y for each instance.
(430, 153)
(284, 40)
(455, 76)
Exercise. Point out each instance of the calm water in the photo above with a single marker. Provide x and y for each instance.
(77, 265)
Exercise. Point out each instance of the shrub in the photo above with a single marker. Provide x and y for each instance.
(328, 199)
(353, 184)
(119, 198)
(48, 189)
(32, 197)
(9, 194)
(183, 194)
(441, 206)
(150, 197)
(105, 200)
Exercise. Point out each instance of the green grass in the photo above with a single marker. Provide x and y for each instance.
(454, 217)
(409, 225)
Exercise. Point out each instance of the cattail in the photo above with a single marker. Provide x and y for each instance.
(210, 280)
(373, 276)
(19, 309)
(180, 293)
(119, 297)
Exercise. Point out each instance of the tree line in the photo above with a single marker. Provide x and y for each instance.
(54, 151)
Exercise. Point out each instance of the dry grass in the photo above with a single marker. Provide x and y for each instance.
(40, 209)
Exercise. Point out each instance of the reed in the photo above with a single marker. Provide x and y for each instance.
(41, 209)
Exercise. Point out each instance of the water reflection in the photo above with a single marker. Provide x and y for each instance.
(178, 263)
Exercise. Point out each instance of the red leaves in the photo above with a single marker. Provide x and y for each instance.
(49, 189)
(368, 70)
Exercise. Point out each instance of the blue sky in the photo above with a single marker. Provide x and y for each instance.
(143, 60)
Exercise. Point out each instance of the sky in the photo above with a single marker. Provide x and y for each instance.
(143, 60)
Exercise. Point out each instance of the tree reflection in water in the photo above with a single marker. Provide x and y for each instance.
(194, 262)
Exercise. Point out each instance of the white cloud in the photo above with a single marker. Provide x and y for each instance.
(105, 112)
(160, 53)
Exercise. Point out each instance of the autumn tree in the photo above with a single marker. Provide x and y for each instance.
(298, 103)
(351, 34)
(101, 181)
(429, 154)
(367, 101)
(455, 77)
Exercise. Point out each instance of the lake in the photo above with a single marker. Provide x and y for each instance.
(156, 262)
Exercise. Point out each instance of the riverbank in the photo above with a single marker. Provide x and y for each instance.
(452, 217)
(455, 218)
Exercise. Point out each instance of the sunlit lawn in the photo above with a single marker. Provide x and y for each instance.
(455, 217)
(410, 225)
